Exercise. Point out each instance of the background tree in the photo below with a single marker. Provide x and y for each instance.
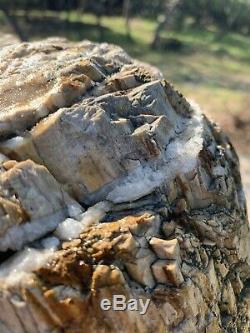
(126, 15)
(166, 20)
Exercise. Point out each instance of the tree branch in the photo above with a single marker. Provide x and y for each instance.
(14, 25)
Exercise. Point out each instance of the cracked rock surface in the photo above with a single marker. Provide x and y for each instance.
(112, 183)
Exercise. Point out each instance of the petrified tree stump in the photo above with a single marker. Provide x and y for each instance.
(112, 183)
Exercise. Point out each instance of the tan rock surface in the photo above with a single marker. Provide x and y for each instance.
(111, 183)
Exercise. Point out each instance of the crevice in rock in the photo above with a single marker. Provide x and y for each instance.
(6, 255)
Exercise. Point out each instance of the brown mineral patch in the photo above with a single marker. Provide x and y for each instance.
(68, 268)
(9, 164)
(24, 93)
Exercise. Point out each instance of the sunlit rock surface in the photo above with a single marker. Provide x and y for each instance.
(112, 183)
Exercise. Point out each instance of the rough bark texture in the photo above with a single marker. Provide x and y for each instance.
(112, 183)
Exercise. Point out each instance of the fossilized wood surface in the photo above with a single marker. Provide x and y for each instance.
(112, 183)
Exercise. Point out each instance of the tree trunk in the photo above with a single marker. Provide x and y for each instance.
(14, 25)
(120, 188)
(126, 15)
(165, 22)
(161, 25)
(99, 27)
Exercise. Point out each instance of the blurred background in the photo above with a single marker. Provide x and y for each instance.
(201, 46)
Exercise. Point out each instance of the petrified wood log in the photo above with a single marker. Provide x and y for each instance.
(112, 183)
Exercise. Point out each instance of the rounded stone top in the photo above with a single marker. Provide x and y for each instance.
(112, 182)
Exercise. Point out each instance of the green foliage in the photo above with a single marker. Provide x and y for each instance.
(225, 14)
(149, 9)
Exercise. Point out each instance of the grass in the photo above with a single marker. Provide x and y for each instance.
(213, 70)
